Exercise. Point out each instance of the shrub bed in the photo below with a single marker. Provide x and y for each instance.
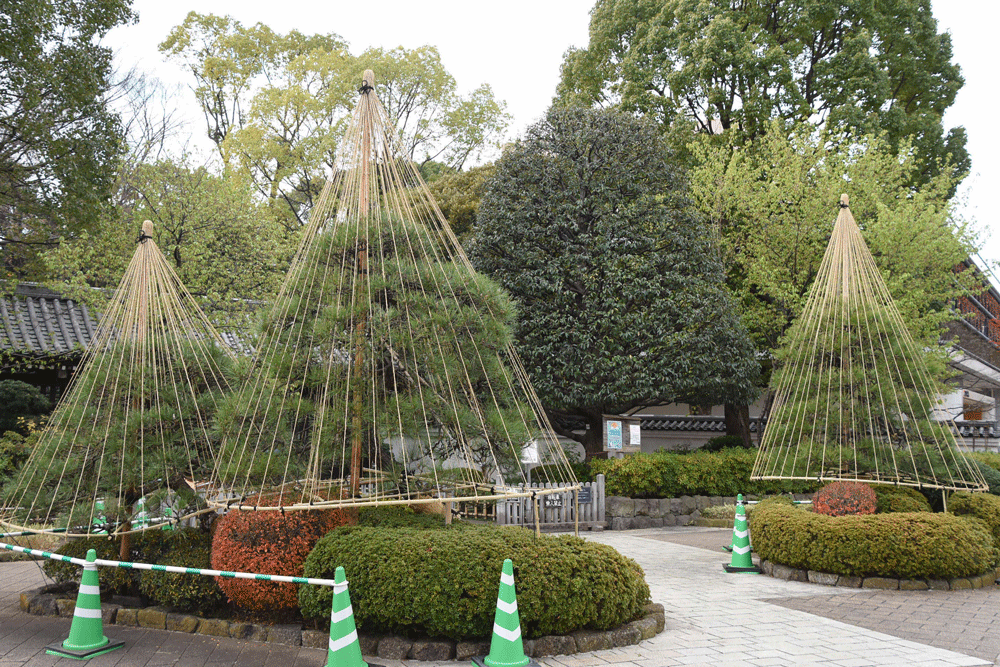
(982, 506)
(184, 592)
(904, 545)
(671, 475)
(146, 547)
(444, 583)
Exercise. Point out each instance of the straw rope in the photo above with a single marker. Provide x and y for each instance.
(134, 419)
(853, 396)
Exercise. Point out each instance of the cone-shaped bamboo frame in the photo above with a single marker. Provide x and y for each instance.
(135, 418)
(853, 396)
(385, 373)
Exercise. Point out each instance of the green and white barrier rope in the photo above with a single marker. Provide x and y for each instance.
(169, 568)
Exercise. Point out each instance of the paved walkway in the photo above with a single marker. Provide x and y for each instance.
(713, 618)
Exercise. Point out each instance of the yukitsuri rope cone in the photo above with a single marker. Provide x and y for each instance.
(384, 371)
(853, 396)
(133, 424)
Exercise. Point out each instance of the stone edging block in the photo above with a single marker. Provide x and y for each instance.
(787, 573)
(388, 647)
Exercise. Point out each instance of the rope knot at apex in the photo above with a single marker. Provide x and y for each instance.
(146, 232)
(367, 82)
(844, 201)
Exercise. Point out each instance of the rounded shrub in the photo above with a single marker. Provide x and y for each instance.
(267, 542)
(991, 475)
(398, 516)
(444, 583)
(899, 499)
(917, 545)
(843, 498)
(721, 442)
(184, 592)
(982, 506)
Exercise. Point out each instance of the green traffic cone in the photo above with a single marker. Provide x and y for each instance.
(98, 518)
(345, 650)
(86, 634)
(507, 647)
(741, 560)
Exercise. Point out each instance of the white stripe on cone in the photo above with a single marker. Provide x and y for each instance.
(80, 612)
(741, 533)
(338, 616)
(506, 579)
(509, 607)
(89, 589)
(343, 642)
(509, 635)
(741, 550)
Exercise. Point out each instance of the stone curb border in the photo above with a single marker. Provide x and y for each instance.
(50, 601)
(787, 573)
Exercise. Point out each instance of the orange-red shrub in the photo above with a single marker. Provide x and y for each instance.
(842, 498)
(268, 542)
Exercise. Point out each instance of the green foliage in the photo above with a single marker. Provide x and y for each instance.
(724, 442)
(588, 225)
(982, 506)
(459, 195)
(990, 474)
(60, 140)
(899, 499)
(735, 67)
(430, 320)
(146, 547)
(14, 450)
(845, 498)
(225, 247)
(908, 546)
(20, 402)
(183, 592)
(251, 80)
(669, 475)
(444, 583)
(398, 516)
(775, 200)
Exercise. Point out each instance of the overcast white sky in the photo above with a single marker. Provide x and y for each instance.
(517, 47)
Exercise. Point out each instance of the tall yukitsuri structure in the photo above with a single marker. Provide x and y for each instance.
(135, 421)
(854, 399)
(384, 372)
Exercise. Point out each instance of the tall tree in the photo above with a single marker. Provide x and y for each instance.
(851, 65)
(617, 278)
(774, 202)
(59, 142)
(276, 105)
(222, 244)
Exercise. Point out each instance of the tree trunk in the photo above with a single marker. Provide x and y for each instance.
(593, 439)
(738, 422)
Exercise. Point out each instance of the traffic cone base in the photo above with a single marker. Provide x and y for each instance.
(86, 634)
(481, 661)
(83, 654)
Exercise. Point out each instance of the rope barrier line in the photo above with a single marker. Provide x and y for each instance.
(171, 568)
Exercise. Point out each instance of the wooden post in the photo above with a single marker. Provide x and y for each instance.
(576, 512)
(538, 526)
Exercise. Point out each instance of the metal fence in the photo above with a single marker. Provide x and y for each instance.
(556, 511)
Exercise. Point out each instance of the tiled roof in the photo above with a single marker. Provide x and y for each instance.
(38, 321)
(687, 423)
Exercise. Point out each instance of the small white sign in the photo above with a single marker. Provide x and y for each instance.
(634, 435)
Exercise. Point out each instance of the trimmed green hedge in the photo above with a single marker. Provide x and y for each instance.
(899, 499)
(670, 475)
(982, 506)
(184, 592)
(915, 545)
(444, 583)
